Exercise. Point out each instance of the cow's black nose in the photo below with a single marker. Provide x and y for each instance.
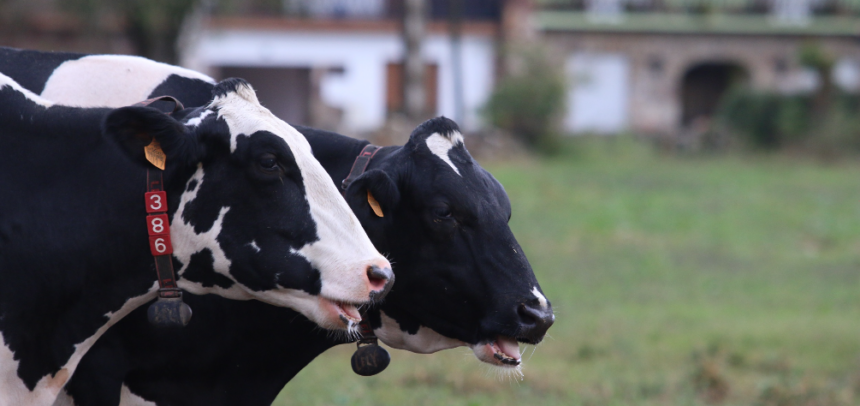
(381, 280)
(534, 320)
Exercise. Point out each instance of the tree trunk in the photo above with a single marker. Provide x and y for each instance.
(414, 21)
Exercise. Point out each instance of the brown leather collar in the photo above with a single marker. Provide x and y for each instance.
(359, 166)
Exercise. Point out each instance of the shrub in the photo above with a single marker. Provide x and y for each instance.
(529, 103)
(765, 120)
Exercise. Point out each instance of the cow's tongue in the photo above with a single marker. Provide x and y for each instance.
(509, 347)
(350, 311)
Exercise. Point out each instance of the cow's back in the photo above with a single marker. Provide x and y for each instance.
(31, 69)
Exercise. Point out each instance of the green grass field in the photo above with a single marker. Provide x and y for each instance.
(728, 280)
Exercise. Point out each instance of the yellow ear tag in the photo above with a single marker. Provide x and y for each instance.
(155, 155)
(374, 204)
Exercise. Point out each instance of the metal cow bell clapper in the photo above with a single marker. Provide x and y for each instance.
(369, 358)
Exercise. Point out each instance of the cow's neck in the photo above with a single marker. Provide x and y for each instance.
(337, 152)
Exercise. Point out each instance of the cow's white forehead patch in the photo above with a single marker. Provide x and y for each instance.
(440, 145)
(7, 81)
(541, 298)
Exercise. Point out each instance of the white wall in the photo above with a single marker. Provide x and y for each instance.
(598, 93)
(360, 90)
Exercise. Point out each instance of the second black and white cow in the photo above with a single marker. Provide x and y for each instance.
(463, 280)
(252, 216)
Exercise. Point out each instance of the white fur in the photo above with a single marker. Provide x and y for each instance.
(343, 251)
(194, 122)
(127, 398)
(13, 392)
(425, 341)
(7, 81)
(110, 80)
(64, 399)
(541, 298)
(254, 245)
(440, 145)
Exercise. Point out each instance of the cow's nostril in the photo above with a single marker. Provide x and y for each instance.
(534, 322)
(379, 277)
(528, 316)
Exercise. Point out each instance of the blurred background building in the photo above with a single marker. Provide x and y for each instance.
(656, 67)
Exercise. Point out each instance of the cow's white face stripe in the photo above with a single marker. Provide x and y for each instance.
(7, 81)
(425, 341)
(194, 122)
(13, 392)
(92, 81)
(440, 145)
(541, 298)
(343, 250)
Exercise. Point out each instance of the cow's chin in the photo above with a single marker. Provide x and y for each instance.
(502, 352)
(328, 313)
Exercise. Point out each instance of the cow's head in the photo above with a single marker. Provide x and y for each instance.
(462, 278)
(253, 214)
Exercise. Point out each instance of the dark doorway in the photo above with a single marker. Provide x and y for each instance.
(286, 92)
(704, 85)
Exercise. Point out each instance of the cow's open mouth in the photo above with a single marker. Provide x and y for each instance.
(503, 351)
(346, 312)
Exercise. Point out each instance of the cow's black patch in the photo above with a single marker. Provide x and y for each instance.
(192, 184)
(194, 92)
(31, 69)
(200, 270)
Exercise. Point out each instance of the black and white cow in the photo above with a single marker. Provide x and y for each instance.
(463, 280)
(253, 216)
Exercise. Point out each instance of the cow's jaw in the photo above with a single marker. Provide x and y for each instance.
(328, 313)
(502, 352)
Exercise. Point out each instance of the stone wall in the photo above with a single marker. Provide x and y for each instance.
(658, 62)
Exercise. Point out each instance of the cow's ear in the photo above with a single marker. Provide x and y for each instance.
(373, 193)
(135, 127)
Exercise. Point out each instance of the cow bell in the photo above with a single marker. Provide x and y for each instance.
(369, 358)
(169, 312)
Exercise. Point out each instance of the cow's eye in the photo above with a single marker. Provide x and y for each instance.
(442, 212)
(268, 162)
